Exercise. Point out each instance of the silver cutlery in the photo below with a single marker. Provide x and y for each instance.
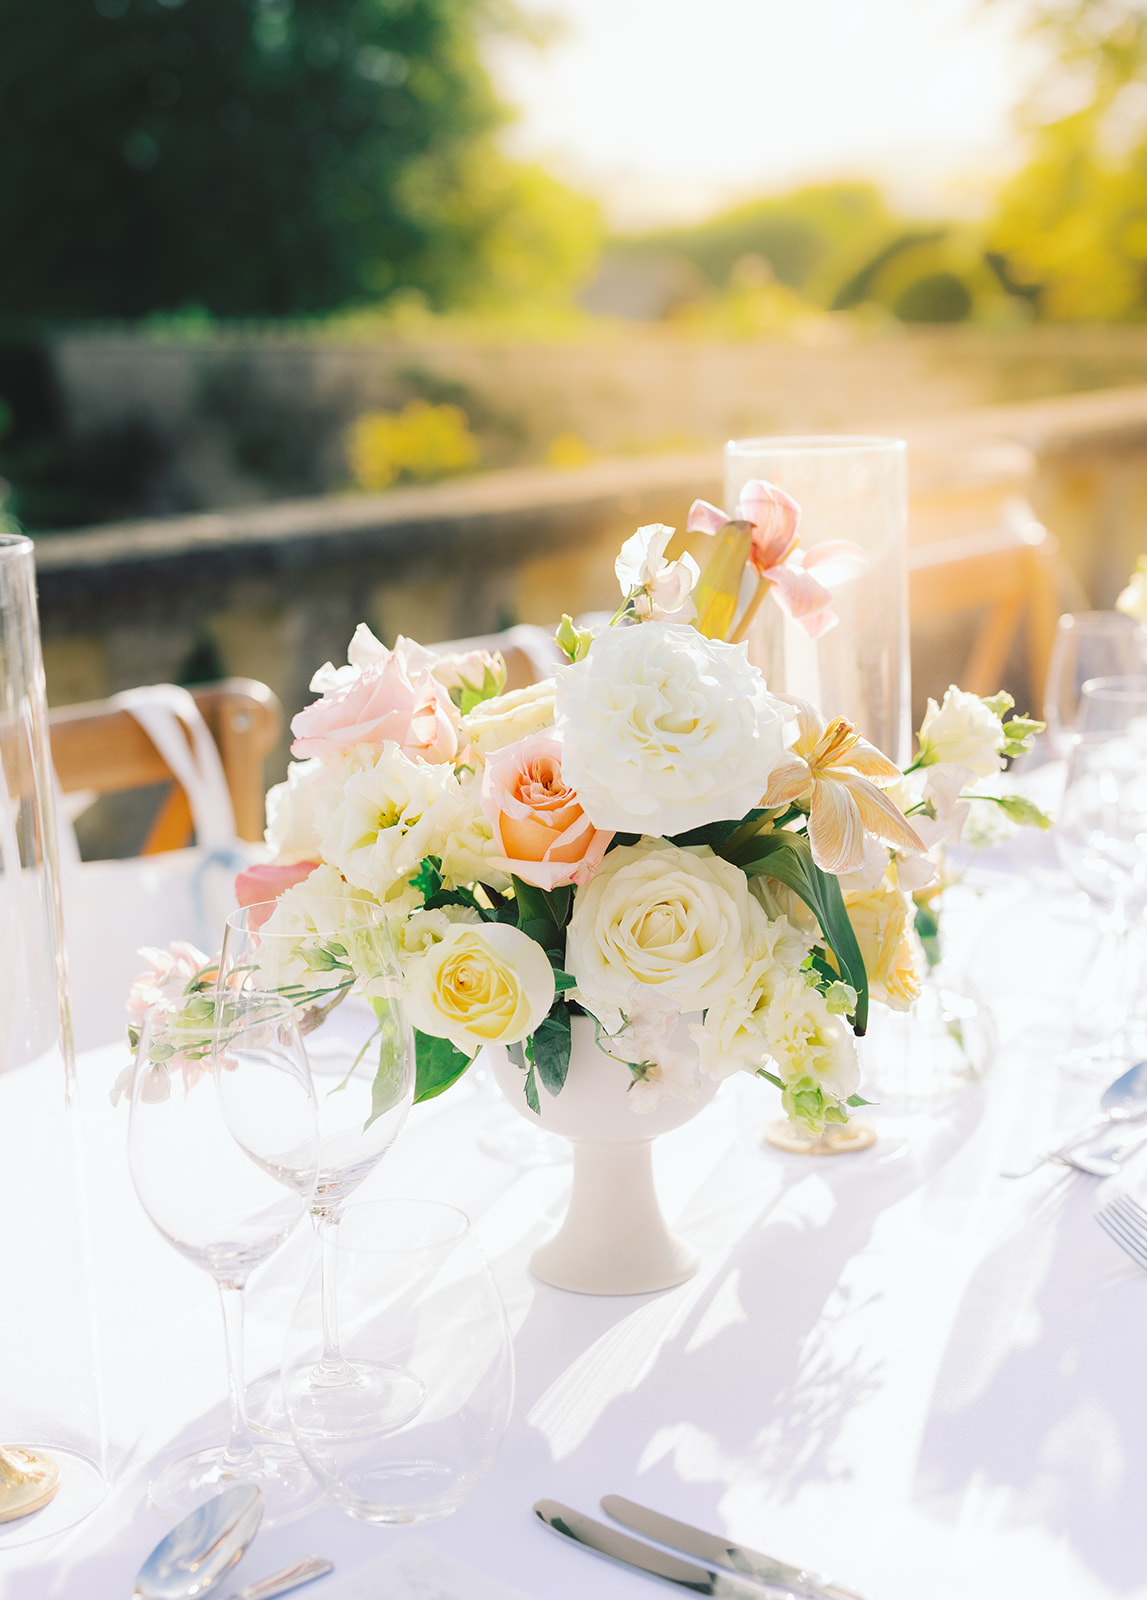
(1125, 1221)
(197, 1552)
(718, 1552)
(286, 1579)
(1125, 1100)
(703, 1580)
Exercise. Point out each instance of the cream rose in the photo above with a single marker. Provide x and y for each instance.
(506, 718)
(962, 731)
(664, 730)
(483, 984)
(882, 921)
(657, 929)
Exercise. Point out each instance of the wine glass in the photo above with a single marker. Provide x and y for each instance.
(1101, 837)
(336, 963)
(1088, 644)
(416, 1294)
(223, 1151)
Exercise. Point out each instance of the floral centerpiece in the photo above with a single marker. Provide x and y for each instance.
(649, 838)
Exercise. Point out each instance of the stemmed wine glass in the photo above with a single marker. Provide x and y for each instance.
(1088, 644)
(335, 961)
(223, 1152)
(1101, 838)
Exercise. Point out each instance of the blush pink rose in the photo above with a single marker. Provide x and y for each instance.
(389, 700)
(265, 882)
(544, 835)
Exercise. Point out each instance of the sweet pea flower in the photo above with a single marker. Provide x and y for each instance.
(381, 696)
(775, 557)
(832, 760)
(659, 590)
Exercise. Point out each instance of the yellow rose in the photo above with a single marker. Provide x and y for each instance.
(480, 984)
(882, 922)
(506, 718)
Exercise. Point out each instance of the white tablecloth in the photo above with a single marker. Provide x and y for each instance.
(897, 1366)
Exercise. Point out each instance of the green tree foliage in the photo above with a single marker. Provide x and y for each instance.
(258, 157)
(1069, 232)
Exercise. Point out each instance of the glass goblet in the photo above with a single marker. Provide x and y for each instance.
(416, 1294)
(335, 961)
(1101, 838)
(1088, 644)
(226, 1203)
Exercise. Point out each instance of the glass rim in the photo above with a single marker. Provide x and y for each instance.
(380, 1244)
(1072, 619)
(811, 443)
(237, 919)
(1130, 686)
(15, 543)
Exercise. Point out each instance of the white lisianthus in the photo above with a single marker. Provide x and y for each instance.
(480, 984)
(646, 1044)
(392, 815)
(660, 589)
(664, 730)
(736, 1033)
(297, 811)
(807, 1041)
(321, 911)
(422, 930)
(506, 718)
(962, 731)
(658, 929)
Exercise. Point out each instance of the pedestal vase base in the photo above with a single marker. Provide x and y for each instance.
(832, 1142)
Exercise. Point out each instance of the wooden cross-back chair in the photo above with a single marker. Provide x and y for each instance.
(99, 747)
(1012, 574)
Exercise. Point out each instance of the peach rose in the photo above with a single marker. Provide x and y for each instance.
(383, 696)
(539, 826)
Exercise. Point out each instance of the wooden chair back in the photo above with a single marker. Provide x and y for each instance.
(1009, 573)
(99, 747)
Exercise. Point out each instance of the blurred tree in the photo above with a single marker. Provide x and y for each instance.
(254, 157)
(1069, 233)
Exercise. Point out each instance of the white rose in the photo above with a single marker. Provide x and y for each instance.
(483, 984)
(962, 731)
(657, 929)
(664, 730)
(392, 815)
(506, 718)
(297, 811)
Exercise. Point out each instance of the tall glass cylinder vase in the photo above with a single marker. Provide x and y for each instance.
(51, 1437)
(855, 489)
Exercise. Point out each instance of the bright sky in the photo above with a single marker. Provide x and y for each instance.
(670, 109)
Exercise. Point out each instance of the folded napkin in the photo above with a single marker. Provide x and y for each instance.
(414, 1570)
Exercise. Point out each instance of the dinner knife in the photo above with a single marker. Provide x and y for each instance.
(629, 1552)
(719, 1552)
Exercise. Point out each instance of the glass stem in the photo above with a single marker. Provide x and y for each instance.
(240, 1450)
(332, 1368)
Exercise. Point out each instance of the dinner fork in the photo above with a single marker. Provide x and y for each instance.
(1125, 1221)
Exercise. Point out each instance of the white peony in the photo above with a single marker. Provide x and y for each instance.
(392, 815)
(664, 730)
(483, 984)
(962, 731)
(658, 929)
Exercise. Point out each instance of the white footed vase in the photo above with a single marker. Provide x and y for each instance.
(614, 1239)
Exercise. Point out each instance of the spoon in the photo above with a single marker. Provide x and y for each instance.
(200, 1549)
(1125, 1100)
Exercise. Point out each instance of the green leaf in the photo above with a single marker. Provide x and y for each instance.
(439, 1064)
(469, 695)
(788, 857)
(549, 1048)
(532, 1099)
(455, 897)
(855, 1100)
(715, 834)
(563, 981)
(428, 879)
(542, 914)
(1023, 811)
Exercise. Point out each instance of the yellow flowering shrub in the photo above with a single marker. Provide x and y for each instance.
(420, 442)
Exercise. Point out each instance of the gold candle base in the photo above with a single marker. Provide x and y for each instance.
(832, 1142)
(28, 1480)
